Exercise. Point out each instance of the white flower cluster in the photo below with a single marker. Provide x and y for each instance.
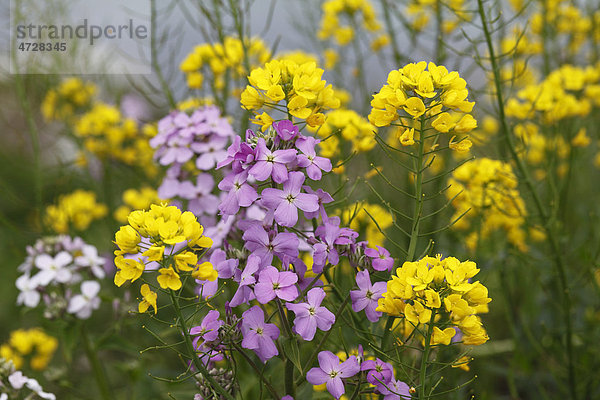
(13, 384)
(63, 272)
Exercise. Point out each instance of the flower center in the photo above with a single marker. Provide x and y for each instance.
(369, 294)
(270, 158)
(259, 331)
(290, 198)
(311, 311)
(275, 285)
(333, 374)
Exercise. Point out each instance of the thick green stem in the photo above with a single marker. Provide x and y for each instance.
(425, 359)
(548, 225)
(192, 353)
(414, 232)
(99, 373)
(440, 53)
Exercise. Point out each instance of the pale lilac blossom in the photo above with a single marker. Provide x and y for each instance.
(286, 202)
(258, 335)
(331, 372)
(365, 298)
(311, 315)
(272, 283)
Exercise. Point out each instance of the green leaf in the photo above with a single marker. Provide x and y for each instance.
(290, 348)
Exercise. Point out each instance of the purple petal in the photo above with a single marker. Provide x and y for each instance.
(316, 376)
(286, 214)
(349, 367)
(272, 197)
(264, 292)
(307, 202)
(363, 280)
(328, 361)
(335, 386)
(315, 296)
(289, 293)
(280, 173)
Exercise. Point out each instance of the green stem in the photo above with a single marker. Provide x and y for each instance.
(154, 56)
(258, 371)
(548, 225)
(440, 53)
(425, 359)
(192, 353)
(389, 26)
(289, 365)
(99, 373)
(33, 131)
(418, 168)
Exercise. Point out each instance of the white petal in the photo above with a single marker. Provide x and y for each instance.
(90, 288)
(17, 380)
(85, 312)
(62, 259)
(76, 303)
(44, 261)
(63, 275)
(31, 298)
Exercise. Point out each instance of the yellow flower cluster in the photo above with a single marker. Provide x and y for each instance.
(421, 97)
(569, 91)
(136, 200)
(538, 149)
(222, 58)
(153, 236)
(421, 11)
(32, 343)
(71, 96)
(299, 86)
(349, 126)
(487, 189)
(75, 210)
(106, 134)
(438, 292)
(357, 12)
(564, 18)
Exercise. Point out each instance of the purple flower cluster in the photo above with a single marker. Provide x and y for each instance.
(270, 216)
(188, 143)
(378, 373)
